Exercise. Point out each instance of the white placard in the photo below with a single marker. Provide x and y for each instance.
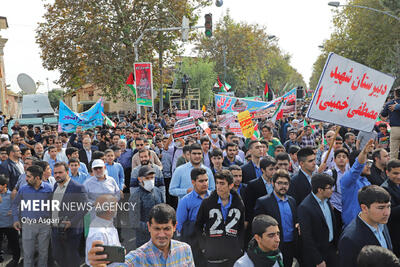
(349, 94)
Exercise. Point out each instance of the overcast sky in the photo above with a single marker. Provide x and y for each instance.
(301, 27)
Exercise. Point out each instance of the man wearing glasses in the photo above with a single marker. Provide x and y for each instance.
(318, 225)
(12, 167)
(283, 209)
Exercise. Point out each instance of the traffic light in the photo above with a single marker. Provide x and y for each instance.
(208, 24)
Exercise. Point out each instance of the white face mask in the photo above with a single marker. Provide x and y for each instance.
(148, 185)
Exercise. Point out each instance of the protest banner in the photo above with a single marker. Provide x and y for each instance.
(195, 113)
(349, 94)
(184, 127)
(68, 120)
(181, 114)
(226, 119)
(144, 84)
(235, 128)
(246, 124)
(228, 104)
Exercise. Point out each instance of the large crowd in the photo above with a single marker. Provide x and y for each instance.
(305, 193)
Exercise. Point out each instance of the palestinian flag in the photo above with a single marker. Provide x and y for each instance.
(278, 114)
(108, 121)
(256, 134)
(266, 89)
(219, 83)
(131, 83)
(226, 87)
(312, 126)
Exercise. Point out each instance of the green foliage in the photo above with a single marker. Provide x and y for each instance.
(251, 57)
(364, 36)
(201, 72)
(92, 41)
(54, 97)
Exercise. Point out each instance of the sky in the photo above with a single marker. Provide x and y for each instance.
(300, 26)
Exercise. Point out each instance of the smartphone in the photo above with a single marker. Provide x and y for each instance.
(114, 253)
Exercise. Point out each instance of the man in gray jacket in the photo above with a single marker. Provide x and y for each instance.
(263, 249)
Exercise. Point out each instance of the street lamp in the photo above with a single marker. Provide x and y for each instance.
(337, 4)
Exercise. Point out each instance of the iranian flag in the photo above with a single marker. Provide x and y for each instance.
(108, 121)
(131, 83)
(204, 126)
(256, 134)
(278, 114)
(313, 128)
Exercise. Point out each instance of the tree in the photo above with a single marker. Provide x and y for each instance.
(361, 35)
(54, 97)
(202, 74)
(251, 57)
(92, 41)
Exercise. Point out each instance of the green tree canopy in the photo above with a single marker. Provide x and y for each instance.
(54, 97)
(252, 58)
(92, 41)
(364, 36)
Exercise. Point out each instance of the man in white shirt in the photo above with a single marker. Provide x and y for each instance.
(102, 228)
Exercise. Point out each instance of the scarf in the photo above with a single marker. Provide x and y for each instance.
(261, 258)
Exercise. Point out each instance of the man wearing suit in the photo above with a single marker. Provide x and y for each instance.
(67, 227)
(392, 185)
(369, 227)
(300, 186)
(318, 225)
(259, 187)
(85, 154)
(283, 209)
(238, 186)
(12, 167)
(252, 169)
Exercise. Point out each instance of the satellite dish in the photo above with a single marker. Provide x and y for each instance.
(26, 83)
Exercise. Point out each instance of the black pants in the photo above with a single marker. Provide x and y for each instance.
(171, 200)
(65, 249)
(13, 242)
(332, 259)
(288, 249)
(227, 263)
(339, 222)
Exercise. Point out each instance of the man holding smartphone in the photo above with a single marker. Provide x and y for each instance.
(161, 250)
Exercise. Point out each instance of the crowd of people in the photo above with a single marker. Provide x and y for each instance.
(305, 193)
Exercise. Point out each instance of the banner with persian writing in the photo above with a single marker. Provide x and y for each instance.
(349, 94)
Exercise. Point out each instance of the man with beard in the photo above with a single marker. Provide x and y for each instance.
(283, 209)
(144, 155)
(378, 175)
(66, 233)
(12, 167)
(85, 154)
(263, 249)
(39, 150)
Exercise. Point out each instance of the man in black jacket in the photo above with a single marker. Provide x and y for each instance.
(221, 219)
(369, 227)
(283, 209)
(300, 186)
(378, 174)
(392, 185)
(252, 169)
(230, 158)
(318, 225)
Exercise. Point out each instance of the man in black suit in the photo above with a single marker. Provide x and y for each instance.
(230, 158)
(67, 233)
(252, 169)
(369, 227)
(237, 181)
(318, 225)
(85, 154)
(283, 209)
(300, 186)
(392, 185)
(259, 187)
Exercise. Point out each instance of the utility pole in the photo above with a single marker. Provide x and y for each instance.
(224, 63)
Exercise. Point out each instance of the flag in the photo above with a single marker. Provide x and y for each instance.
(131, 83)
(266, 89)
(204, 108)
(226, 87)
(278, 114)
(219, 83)
(312, 126)
(204, 126)
(108, 121)
(256, 134)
